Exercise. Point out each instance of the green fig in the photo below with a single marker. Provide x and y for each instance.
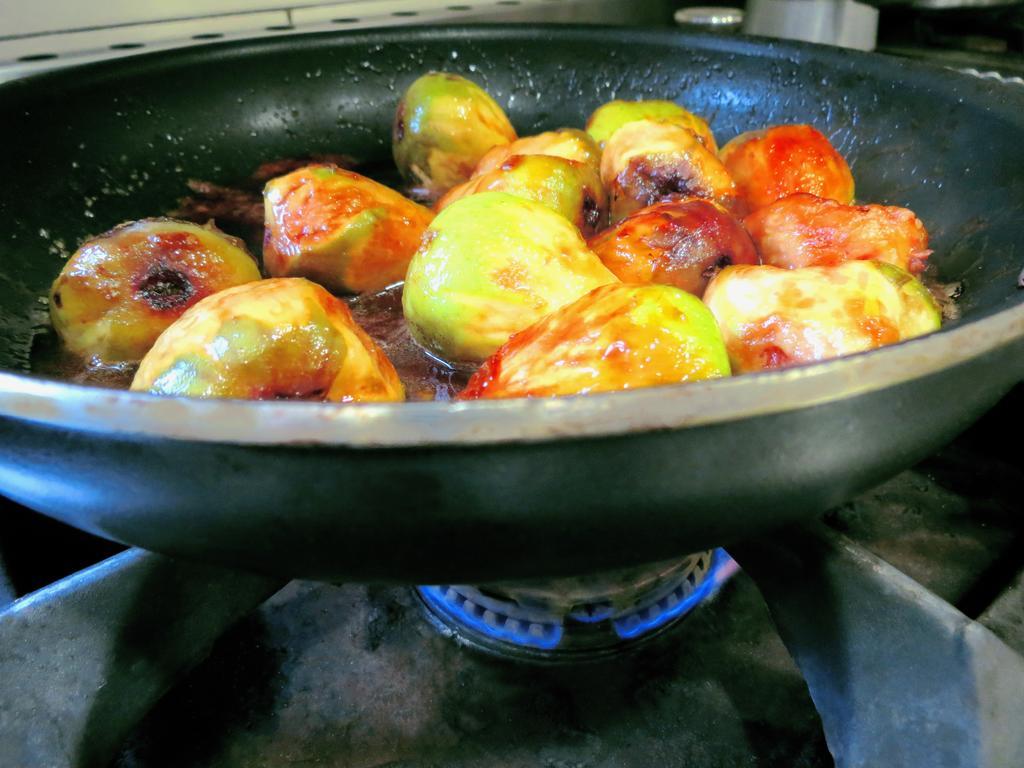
(443, 126)
(278, 339)
(567, 187)
(608, 118)
(772, 317)
(490, 265)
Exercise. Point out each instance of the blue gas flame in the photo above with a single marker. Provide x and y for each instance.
(677, 602)
(445, 600)
(545, 632)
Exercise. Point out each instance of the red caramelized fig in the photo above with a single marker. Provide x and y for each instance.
(784, 160)
(682, 242)
(808, 231)
(121, 290)
(339, 229)
(616, 337)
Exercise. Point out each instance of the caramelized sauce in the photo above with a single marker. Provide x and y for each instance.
(424, 377)
(52, 360)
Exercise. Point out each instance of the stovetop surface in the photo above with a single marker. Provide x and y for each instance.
(354, 676)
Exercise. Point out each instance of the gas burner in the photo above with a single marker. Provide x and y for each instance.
(576, 618)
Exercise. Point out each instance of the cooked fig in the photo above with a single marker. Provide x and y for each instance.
(646, 161)
(490, 265)
(443, 126)
(278, 339)
(784, 160)
(570, 143)
(567, 187)
(120, 290)
(807, 231)
(608, 118)
(682, 242)
(774, 318)
(616, 337)
(339, 229)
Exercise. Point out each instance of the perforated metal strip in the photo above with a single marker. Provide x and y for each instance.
(28, 51)
(991, 75)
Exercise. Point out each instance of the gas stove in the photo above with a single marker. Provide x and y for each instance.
(888, 633)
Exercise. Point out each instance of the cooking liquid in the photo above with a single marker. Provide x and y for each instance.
(380, 314)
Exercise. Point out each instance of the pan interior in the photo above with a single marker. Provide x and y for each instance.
(88, 148)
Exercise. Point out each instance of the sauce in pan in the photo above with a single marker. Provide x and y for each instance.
(424, 377)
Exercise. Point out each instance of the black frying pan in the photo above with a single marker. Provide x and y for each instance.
(434, 491)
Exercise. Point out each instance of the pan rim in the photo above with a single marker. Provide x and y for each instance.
(462, 424)
(519, 420)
